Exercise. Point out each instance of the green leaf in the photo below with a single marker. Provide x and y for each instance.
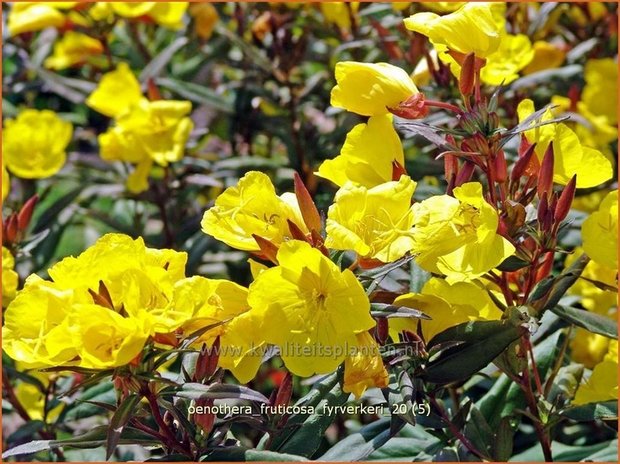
(480, 343)
(607, 410)
(303, 433)
(512, 263)
(101, 393)
(588, 320)
(479, 432)
(50, 213)
(196, 391)
(157, 64)
(119, 420)
(241, 454)
(357, 446)
(550, 291)
(503, 441)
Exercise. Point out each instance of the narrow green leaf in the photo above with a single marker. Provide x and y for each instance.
(118, 422)
(588, 320)
(607, 410)
(196, 391)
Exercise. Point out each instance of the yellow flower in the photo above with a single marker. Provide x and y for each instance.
(74, 48)
(205, 18)
(339, 13)
(571, 157)
(456, 236)
(252, 207)
(118, 91)
(364, 368)
(514, 53)
(168, 14)
(33, 399)
(370, 89)
(36, 331)
(6, 181)
(34, 144)
(600, 93)
(443, 7)
(588, 348)
(546, 56)
(367, 154)
(375, 223)
(447, 305)
(34, 16)
(107, 339)
(9, 277)
(312, 310)
(602, 385)
(599, 232)
(471, 28)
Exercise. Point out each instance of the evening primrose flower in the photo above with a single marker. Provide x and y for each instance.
(367, 155)
(364, 368)
(602, 385)
(312, 310)
(34, 143)
(457, 236)
(599, 232)
(167, 14)
(600, 93)
(571, 157)
(375, 223)
(546, 56)
(369, 89)
(471, 28)
(9, 277)
(35, 16)
(514, 53)
(447, 305)
(74, 48)
(252, 208)
(588, 348)
(33, 400)
(145, 132)
(593, 298)
(118, 91)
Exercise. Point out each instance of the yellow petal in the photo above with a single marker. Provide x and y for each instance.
(118, 91)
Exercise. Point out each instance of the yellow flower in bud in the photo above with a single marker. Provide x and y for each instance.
(471, 28)
(34, 16)
(312, 310)
(602, 385)
(205, 18)
(118, 91)
(9, 277)
(599, 233)
(447, 305)
(34, 144)
(546, 56)
(570, 156)
(364, 368)
(367, 154)
(252, 208)
(457, 236)
(370, 89)
(74, 48)
(375, 223)
(339, 13)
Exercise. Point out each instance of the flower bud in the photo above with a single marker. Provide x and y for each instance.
(545, 175)
(565, 201)
(382, 330)
(285, 391)
(206, 363)
(451, 165)
(467, 77)
(465, 173)
(295, 231)
(267, 249)
(308, 209)
(526, 152)
(10, 233)
(25, 214)
(499, 165)
(204, 421)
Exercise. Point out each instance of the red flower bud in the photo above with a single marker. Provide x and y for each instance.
(465, 173)
(565, 201)
(267, 249)
(204, 421)
(308, 209)
(545, 177)
(467, 77)
(10, 233)
(25, 214)
(295, 231)
(451, 165)
(285, 391)
(526, 151)
(382, 330)
(206, 363)
(501, 169)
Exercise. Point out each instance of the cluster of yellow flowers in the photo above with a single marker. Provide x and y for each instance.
(144, 131)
